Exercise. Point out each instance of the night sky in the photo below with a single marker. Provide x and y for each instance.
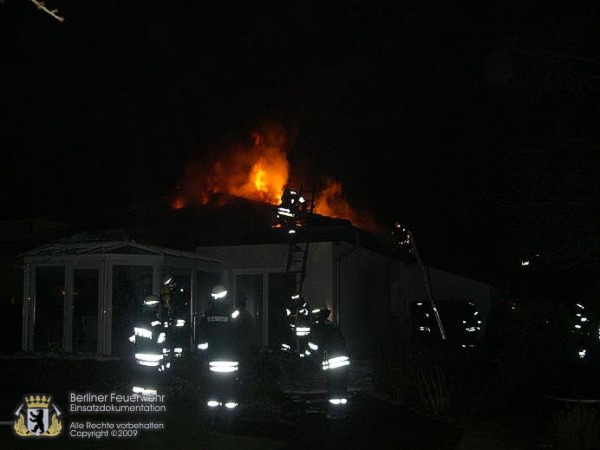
(416, 107)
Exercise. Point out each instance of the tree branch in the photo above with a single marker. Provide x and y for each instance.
(52, 12)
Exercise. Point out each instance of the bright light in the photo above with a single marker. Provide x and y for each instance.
(524, 263)
(143, 332)
(312, 346)
(161, 338)
(203, 346)
(148, 357)
(219, 295)
(284, 212)
(148, 363)
(155, 322)
(223, 366)
(581, 306)
(235, 314)
(582, 353)
(180, 323)
(302, 331)
(316, 310)
(338, 401)
(150, 302)
(287, 312)
(212, 403)
(230, 405)
(334, 363)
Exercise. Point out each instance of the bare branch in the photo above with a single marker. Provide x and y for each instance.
(52, 12)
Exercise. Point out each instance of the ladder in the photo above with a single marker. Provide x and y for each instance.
(297, 258)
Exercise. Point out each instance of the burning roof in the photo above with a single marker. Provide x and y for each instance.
(259, 170)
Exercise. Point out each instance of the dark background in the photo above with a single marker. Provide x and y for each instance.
(474, 123)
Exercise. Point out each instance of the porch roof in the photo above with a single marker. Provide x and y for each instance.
(77, 245)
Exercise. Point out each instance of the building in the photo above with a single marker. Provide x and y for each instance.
(81, 292)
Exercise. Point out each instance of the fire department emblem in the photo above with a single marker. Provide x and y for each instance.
(37, 417)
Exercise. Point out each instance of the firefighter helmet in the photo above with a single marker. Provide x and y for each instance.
(218, 292)
(320, 313)
(168, 280)
(151, 301)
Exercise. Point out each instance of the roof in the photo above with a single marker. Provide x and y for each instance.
(226, 221)
(91, 244)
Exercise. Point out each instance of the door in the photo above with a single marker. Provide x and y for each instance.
(85, 310)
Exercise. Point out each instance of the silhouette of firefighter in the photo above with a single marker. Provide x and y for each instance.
(327, 341)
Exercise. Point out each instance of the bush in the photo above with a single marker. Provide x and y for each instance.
(432, 389)
(577, 427)
(527, 346)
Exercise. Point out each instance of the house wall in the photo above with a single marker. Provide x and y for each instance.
(445, 286)
(369, 293)
(317, 288)
(272, 258)
(368, 288)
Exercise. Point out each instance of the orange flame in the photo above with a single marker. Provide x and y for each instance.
(260, 171)
(332, 202)
(257, 172)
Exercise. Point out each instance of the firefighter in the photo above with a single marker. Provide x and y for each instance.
(217, 341)
(178, 333)
(244, 326)
(246, 341)
(297, 326)
(288, 330)
(289, 210)
(328, 343)
(149, 338)
(303, 326)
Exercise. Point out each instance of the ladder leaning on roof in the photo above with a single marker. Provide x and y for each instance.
(299, 244)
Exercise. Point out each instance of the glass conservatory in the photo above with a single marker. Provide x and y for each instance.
(82, 295)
